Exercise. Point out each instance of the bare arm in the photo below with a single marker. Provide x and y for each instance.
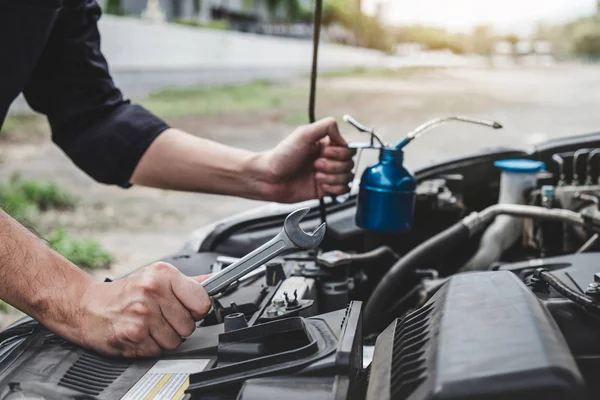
(139, 315)
(36, 280)
(179, 161)
(286, 173)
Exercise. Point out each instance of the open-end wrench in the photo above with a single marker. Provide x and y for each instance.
(291, 238)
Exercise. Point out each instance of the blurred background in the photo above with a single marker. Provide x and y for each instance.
(236, 71)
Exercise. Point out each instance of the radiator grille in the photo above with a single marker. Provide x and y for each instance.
(409, 364)
(91, 374)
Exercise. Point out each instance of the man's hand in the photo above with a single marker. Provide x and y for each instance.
(311, 163)
(312, 153)
(143, 314)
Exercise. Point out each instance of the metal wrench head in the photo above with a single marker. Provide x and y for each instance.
(303, 240)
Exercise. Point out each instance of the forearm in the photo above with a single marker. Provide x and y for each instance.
(179, 161)
(36, 280)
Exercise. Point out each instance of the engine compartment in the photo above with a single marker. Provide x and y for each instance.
(315, 323)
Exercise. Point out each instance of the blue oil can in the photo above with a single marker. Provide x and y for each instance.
(386, 199)
(387, 192)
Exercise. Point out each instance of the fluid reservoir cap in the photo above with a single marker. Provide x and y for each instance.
(547, 191)
(516, 165)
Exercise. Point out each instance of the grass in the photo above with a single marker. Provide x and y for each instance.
(404, 72)
(87, 254)
(221, 25)
(221, 100)
(25, 199)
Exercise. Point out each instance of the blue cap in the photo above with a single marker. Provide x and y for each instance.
(547, 191)
(517, 165)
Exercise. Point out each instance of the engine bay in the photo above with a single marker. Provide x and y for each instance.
(488, 295)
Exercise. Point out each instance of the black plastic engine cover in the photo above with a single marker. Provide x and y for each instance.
(482, 336)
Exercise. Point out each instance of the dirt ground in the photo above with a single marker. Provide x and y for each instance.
(140, 225)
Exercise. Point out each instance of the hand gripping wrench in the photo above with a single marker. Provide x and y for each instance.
(291, 237)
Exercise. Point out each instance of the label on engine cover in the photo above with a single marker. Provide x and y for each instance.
(166, 380)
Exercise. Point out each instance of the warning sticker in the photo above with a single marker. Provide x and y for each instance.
(166, 380)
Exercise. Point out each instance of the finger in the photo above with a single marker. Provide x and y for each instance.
(147, 348)
(325, 127)
(333, 166)
(334, 179)
(192, 296)
(177, 316)
(337, 153)
(164, 334)
(201, 278)
(335, 189)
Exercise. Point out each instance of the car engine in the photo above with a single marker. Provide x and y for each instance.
(488, 296)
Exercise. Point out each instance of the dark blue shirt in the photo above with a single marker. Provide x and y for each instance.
(50, 51)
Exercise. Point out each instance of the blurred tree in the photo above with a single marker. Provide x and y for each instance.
(273, 8)
(113, 7)
(514, 40)
(294, 11)
(367, 31)
(483, 40)
(432, 38)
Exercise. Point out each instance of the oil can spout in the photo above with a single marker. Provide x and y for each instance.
(439, 121)
(363, 129)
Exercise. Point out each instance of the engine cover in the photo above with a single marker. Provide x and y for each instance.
(483, 335)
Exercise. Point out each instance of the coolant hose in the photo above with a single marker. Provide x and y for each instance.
(431, 250)
(419, 257)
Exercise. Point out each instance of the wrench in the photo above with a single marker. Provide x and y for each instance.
(291, 237)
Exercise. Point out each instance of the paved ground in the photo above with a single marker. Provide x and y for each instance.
(140, 225)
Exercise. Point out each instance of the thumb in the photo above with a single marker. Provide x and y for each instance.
(323, 128)
(201, 278)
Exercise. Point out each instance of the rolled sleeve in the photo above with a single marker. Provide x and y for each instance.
(104, 134)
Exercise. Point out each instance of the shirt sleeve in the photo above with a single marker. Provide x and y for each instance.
(104, 134)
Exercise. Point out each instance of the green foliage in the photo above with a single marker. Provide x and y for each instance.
(86, 254)
(392, 73)
(217, 24)
(368, 31)
(219, 100)
(24, 199)
(113, 7)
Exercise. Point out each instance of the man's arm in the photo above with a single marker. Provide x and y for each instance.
(286, 173)
(116, 142)
(139, 315)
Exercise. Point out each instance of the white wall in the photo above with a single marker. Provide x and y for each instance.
(135, 44)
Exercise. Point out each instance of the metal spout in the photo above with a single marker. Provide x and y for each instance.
(439, 121)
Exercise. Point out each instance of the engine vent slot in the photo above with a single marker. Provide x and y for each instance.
(91, 374)
(408, 361)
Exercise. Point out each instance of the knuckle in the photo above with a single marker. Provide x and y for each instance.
(150, 285)
(133, 333)
(141, 309)
(330, 121)
(163, 267)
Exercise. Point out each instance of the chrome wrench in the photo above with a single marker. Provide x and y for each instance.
(291, 238)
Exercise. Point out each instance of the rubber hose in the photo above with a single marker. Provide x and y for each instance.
(583, 301)
(401, 271)
(374, 254)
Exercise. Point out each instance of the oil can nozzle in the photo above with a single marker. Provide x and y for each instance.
(363, 129)
(439, 121)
